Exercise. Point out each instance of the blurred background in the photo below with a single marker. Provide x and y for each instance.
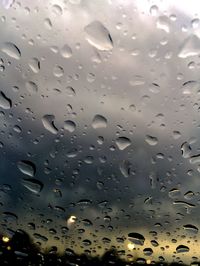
(99, 126)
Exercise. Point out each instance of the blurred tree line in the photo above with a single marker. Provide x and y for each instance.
(20, 250)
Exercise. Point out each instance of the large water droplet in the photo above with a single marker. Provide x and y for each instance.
(136, 238)
(191, 228)
(31, 87)
(66, 51)
(122, 143)
(34, 65)
(190, 47)
(99, 121)
(5, 102)
(182, 248)
(32, 185)
(26, 167)
(69, 126)
(48, 123)
(11, 50)
(151, 140)
(98, 36)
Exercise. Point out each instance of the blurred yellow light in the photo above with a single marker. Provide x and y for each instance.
(130, 246)
(8, 248)
(148, 261)
(5, 239)
(72, 219)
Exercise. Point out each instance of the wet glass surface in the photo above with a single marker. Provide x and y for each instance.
(100, 124)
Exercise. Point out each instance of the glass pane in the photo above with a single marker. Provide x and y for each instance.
(99, 127)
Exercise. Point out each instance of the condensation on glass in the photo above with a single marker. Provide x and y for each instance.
(100, 125)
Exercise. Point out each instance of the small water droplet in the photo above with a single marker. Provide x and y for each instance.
(70, 91)
(190, 87)
(11, 50)
(48, 123)
(31, 87)
(58, 71)
(98, 36)
(48, 23)
(153, 10)
(69, 126)
(122, 143)
(186, 150)
(125, 168)
(151, 140)
(27, 167)
(34, 65)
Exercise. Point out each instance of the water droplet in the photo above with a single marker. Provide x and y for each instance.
(136, 238)
(34, 65)
(11, 50)
(5, 102)
(186, 150)
(195, 23)
(87, 222)
(122, 143)
(163, 23)
(190, 47)
(191, 228)
(154, 243)
(27, 167)
(182, 248)
(31, 87)
(57, 10)
(32, 185)
(125, 168)
(190, 87)
(137, 81)
(176, 134)
(70, 91)
(69, 126)
(189, 195)
(99, 121)
(17, 129)
(48, 123)
(58, 71)
(148, 251)
(174, 193)
(154, 88)
(151, 140)
(154, 10)
(98, 36)
(48, 23)
(195, 159)
(66, 51)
